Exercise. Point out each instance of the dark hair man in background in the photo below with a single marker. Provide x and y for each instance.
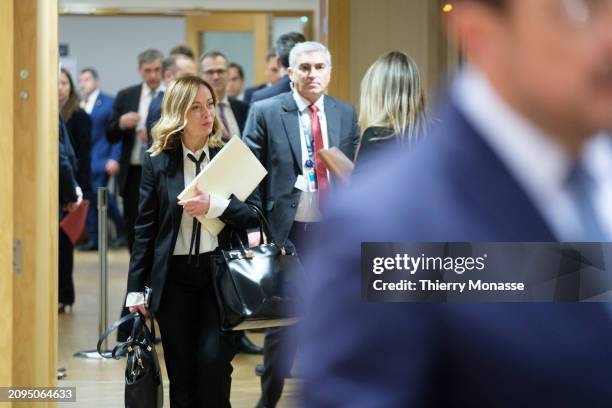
(283, 47)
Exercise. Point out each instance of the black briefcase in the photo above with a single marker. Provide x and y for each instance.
(258, 287)
(143, 381)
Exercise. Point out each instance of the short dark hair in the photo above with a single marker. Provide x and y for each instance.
(239, 68)
(169, 64)
(149, 55)
(212, 54)
(183, 50)
(270, 55)
(92, 71)
(285, 43)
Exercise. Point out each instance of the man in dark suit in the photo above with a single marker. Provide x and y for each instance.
(173, 67)
(496, 168)
(283, 47)
(214, 69)
(272, 74)
(286, 133)
(105, 156)
(127, 124)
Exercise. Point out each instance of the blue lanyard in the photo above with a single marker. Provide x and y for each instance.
(309, 142)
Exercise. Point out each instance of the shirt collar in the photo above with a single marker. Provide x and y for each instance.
(93, 96)
(536, 161)
(303, 104)
(147, 91)
(196, 154)
(224, 101)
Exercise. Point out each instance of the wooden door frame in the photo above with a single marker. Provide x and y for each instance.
(257, 23)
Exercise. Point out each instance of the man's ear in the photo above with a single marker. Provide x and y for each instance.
(290, 73)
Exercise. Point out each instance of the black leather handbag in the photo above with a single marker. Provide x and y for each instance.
(258, 287)
(143, 381)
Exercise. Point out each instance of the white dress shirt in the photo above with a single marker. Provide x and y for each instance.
(146, 96)
(224, 104)
(91, 101)
(308, 207)
(539, 164)
(208, 242)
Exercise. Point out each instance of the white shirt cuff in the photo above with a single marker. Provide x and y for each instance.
(134, 299)
(217, 206)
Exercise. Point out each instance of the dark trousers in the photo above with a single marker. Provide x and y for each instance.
(130, 212)
(279, 345)
(101, 180)
(198, 355)
(66, 260)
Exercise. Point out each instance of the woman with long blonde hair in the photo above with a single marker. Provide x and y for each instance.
(392, 104)
(174, 256)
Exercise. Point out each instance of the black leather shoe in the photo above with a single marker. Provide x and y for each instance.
(246, 346)
(259, 369)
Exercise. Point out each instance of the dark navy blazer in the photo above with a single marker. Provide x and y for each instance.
(451, 187)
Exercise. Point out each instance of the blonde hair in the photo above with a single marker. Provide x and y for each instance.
(177, 100)
(392, 96)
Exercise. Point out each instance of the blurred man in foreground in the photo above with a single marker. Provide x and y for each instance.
(499, 167)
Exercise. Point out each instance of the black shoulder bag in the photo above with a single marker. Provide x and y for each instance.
(257, 287)
(143, 380)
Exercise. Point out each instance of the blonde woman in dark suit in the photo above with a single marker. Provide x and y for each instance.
(174, 255)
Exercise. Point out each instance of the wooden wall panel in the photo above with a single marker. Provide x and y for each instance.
(6, 187)
(35, 195)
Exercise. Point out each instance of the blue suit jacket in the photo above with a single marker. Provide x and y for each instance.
(101, 149)
(451, 187)
(282, 86)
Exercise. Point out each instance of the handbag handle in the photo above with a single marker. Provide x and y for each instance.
(118, 350)
(264, 227)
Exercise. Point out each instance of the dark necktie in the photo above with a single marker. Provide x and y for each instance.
(194, 245)
(317, 134)
(226, 129)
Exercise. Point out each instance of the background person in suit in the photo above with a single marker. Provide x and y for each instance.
(127, 124)
(392, 104)
(283, 47)
(285, 133)
(104, 155)
(173, 67)
(235, 84)
(272, 74)
(498, 167)
(70, 197)
(197, 353)
(78, 126)
(232, 113)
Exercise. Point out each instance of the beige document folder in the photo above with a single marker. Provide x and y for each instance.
(234, 170)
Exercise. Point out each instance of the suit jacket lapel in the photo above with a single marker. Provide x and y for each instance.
(175, 180)
(291, 125)
(332, 116)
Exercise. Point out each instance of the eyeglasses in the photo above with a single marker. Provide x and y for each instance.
(582, 13)
(211, 72)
